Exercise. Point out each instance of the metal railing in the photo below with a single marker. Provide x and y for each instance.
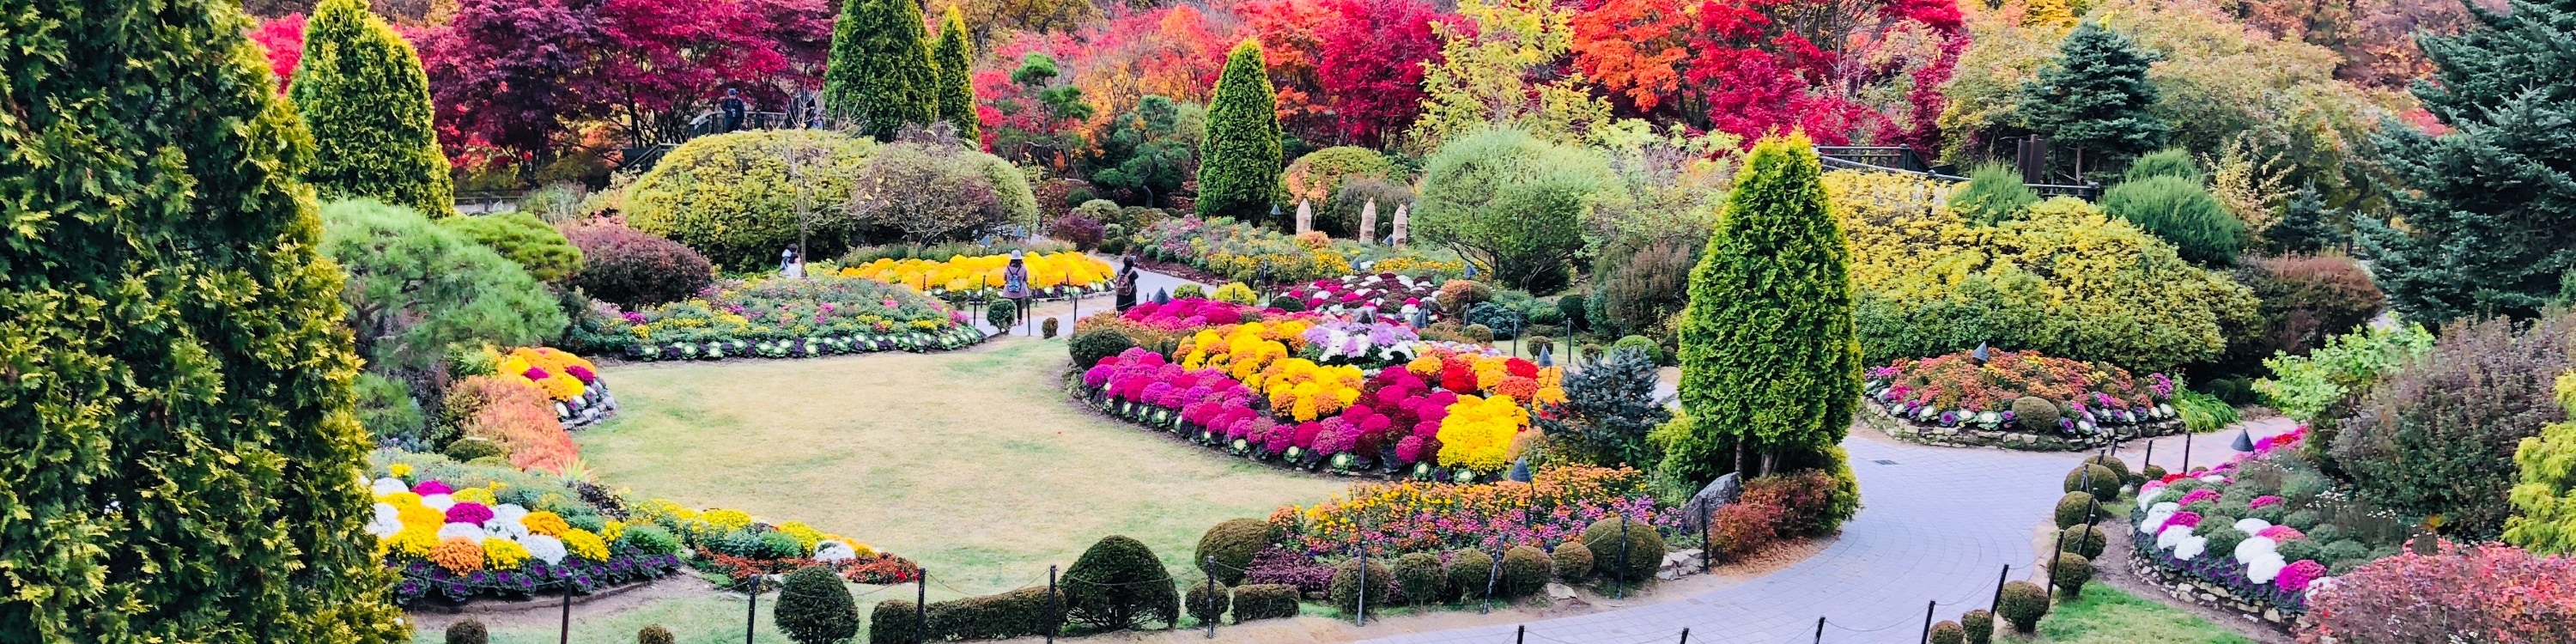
(1902, 160)
(480, 202)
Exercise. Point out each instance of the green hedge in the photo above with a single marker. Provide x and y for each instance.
(1019, 613)
(1264, 601)
(730, 197)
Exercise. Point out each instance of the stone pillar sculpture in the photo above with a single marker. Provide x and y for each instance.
(1402, 223)
(1305, 216)
(1368, 222)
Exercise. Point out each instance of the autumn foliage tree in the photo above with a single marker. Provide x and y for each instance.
(283, 38)
(1373, 57)
(1841, 71)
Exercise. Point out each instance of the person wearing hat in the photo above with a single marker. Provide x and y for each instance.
(1015, 286)
(733, 109)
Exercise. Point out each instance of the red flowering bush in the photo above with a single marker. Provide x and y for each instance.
(1083, 232)
(632, 269)
(2492, 594)
(1955, 389)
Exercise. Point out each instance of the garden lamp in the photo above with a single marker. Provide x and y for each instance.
(2244, 440)
(1980, 354)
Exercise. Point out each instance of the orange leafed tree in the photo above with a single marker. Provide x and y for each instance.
(1634, 49)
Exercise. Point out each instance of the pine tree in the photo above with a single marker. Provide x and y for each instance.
(182, 461)
(957, 77)
(880, 74)
(362, 92)
(2095, 98)
(1239, 170)
(1769, 354)
(2306, 224)
(2490, 215)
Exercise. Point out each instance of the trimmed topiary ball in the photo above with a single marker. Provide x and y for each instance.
(473, 447)
(1089, 347)
(2151, 473)
(2022, 604)
(814, 607)
(1573, 561)
(1118, 584)
(1047, 329)
(2117, 466)
(1642, 344)
(1948, 632)
(1478, 332)
(2035, 414)
(1232, 544)
(2071, 509)
(894, 621)
(470, 631)
(1643, 553)
(1526, 570)
(1289, 304)
(2070, 572)
(1264, 601)
(1423, 579)
(1571, 306)
(654, 634)
(1349, 586)
(1207, 603)
(1001, 314)
(2101, 481)
(1979, 626)
(1471, 574)
(2090, 540)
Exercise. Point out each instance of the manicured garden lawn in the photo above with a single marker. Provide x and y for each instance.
(2106, 615)
(971, 463)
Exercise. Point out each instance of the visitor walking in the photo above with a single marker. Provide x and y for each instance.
(1126, 284)
(1015, 287)
(733, 108)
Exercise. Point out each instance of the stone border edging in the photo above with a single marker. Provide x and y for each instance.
(1940, 436)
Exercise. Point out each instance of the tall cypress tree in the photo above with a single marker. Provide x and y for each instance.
(2095, 97)
(1239, 170)
(880, 74)
(178, 457)
(2490, 222)
(1769, 354)
(956, 62)
(361, 91)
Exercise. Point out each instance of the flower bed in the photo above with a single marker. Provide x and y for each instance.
(2017, 399)
(1243, 252)
(1384, 297)
(457, 532)
(2256, 533)
(580, 397)
(1054, 275)
(792, 318)
(1367, 344)
(1414, 516)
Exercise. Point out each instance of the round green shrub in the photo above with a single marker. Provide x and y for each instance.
(1641, 344)
(2211, 523)
(2090, 540)
(1471, 574)
(632, 269)
(729, 195)
(1511, 202)
(472, 447)
(2152, 473)
(894, 621)
(1089, 347)
(931, 191)
(1264, 601)
(814, 607)
(1231, 544)
(2069, 573)
(519, 236)
(1949, 632)
(2071, 509)
(1478, 332)
(1349, 585)
(780, 545)
(1526, 570)
(654, 634)
(1570, 307)
(2168, 162)
(1287, 303)
(1979, 626)
(1643, 554)
(1422, 579)
(2305, 520)
(491, 461)
(414, 288)
(1994, 193)
(1117, 585)
(2117, 466)
(2222, 540)
(2035, 414)
(1207, 604)
(2180, 211)
(2022, 604)
(2101, 481)
(2297, 549)
(470, 631)
(649, 539)
(1573, 561)
(1187, 291)
(1001, 314)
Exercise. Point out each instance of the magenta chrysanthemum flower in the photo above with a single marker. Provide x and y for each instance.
(2298, 575)
(2184, 519)
(431, 486)
(535, 373)
(469, 512)
(2265, 501)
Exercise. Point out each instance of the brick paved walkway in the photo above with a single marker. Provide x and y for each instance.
(1938, 524)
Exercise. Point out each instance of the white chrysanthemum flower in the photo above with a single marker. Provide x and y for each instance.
(829, 551)
(387, 512)
(2172, 536)
(2214, 478)
(2147, 497)
(469, 531)
(2253, 548)
(386, 522)
(510, 512)
(439, 502)
(2252, 525)
(2157, 515)
(544, 548)
(511, 529)
(388, 485)
(2266, 568)
(2191, 546)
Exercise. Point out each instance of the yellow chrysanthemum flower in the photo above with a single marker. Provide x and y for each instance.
(545, 523)
(585, 545)
(481, 495)
(399, 470)
(504, 554)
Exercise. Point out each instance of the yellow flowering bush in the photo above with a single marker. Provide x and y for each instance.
(585, 544)
(1478, 432)
(806, 536)
(1306, 391)
(1236, 293)
(545, 523)
(504, 554)
(963, 273)
(562, 375)
(611, 529)
(399, 470)
(481, 495)
(412, 541)
(727, 519)
(1243, 350)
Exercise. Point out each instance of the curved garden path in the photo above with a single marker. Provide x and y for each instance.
(1937, 524)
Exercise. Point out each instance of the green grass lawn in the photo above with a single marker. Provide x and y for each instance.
(973, 464)
(2106, 615)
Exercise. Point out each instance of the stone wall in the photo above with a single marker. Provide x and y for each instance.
(1968, 436)
(2195, 590)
